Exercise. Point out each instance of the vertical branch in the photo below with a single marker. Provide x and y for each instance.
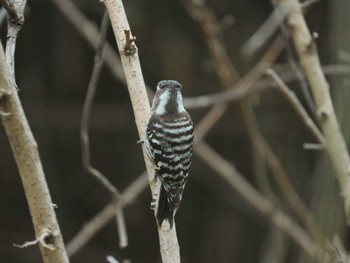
(334, 141)
(25, 151)
(169, 247)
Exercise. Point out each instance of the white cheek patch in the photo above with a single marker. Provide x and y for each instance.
(163, 101)
(179, 102)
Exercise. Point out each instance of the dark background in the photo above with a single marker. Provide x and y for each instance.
(53, 67)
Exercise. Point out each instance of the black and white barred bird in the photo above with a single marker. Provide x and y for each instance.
(169, 143)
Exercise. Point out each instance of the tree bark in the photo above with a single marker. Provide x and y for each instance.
(25, 151)
(334, 142)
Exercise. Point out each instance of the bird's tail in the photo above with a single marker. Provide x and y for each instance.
(163, 211)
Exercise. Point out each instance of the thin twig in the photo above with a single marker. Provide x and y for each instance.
(120, 220)
(13, 15)
(281, 177)
(84, 134)
(313, 146)
(249, 79)
(208, 121)
(94, 225)
(90, 32)
(231, 176)
(84, 125)
(45, 240)
(242, 90)
(111, 259)
(257, 40)
(298, 107)
(14, 25)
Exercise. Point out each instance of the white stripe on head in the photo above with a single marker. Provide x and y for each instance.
(163, 101)
(179, 102)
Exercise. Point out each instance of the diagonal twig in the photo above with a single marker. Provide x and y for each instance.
(103, 217)
(232, 177)
(291, 97)
(12, 11)
(266, 30)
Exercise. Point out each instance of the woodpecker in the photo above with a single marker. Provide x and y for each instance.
(169, 143)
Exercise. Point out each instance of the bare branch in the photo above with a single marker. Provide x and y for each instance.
(169, 247)
(231, 176)
(242, 90)
(218, 53)
(25, 151)
(266, 30)
(334, 141)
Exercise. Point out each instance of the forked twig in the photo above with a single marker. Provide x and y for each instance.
(84, 134)
(94, 225)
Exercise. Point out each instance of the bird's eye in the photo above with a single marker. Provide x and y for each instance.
(161, 85)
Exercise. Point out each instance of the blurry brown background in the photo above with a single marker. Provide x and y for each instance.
(53, 67)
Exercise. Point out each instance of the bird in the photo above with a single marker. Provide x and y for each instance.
(169, 136)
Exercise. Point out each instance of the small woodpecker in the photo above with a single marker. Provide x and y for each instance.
(169, 143)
